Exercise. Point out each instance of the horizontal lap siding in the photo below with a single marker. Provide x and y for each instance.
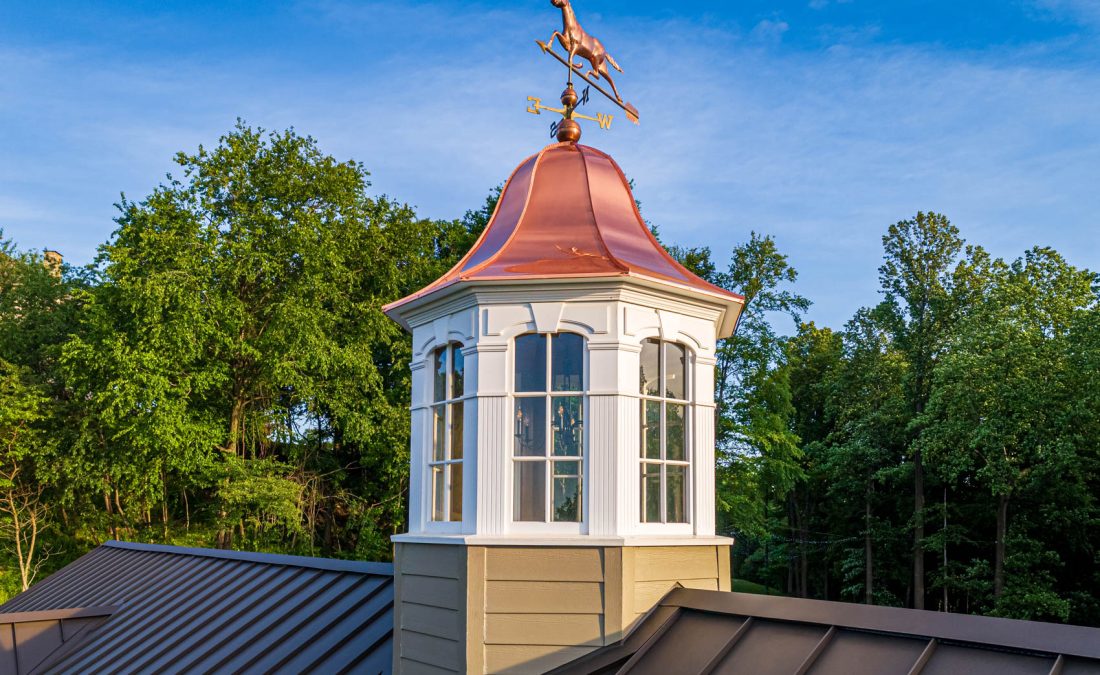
(543, 607)
(432, 606)
(657, 570)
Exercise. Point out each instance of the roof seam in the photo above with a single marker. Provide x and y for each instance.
(592, 209)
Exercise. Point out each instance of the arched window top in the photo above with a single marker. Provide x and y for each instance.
(563, 371)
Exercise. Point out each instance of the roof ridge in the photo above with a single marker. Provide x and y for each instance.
(328, 564)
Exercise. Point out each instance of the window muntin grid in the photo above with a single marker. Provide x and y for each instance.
(665, 456)
(548, 435)
(447, 448)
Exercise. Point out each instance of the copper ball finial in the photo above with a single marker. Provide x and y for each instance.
(569, 96)
(569, 131)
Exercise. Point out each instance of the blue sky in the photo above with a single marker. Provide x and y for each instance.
(817, 121)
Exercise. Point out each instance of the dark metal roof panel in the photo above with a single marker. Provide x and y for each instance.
(694, 631)
(198, 610)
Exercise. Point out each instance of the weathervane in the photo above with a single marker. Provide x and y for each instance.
(577, 42)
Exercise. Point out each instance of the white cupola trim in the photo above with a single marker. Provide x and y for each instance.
(528, 444)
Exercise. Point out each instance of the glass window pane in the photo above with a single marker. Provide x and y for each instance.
(529, 494)
(651, 493)
(567, 500)
(676, 429)
(676, 493)
(456, 491)
(530, 366)
(568, 420)
(567, 362)
(567, 469)
(440, 374)
(438, 490)
(651, 429)
(456, 430)
(651, 369)
(675, 371)
(530, 427)
(439, 434)
(458, 371)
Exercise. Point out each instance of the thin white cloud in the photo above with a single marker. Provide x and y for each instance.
(821, 149)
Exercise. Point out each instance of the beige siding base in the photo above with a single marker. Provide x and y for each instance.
(516, 609)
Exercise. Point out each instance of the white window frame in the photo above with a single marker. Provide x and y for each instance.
(447, 403)
(549, 525)
(688, 462)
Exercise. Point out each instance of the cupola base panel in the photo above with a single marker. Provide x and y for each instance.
(528, 609)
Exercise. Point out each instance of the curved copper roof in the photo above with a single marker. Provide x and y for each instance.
(567, 212)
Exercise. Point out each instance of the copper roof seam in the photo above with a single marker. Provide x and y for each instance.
(496, 209)
(816, 651)
(274, 619)
(260, 625)
(146, 613)
(653, 639)
(924, 657)
(332, 625)
(281, 637)
(519, 219)
(456, 269)
(210, 646)
(596, 222)
(227, 594)
(728, 647)
(688, 274)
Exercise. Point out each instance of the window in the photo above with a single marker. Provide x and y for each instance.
(548, 447)
(447, 450)
(665, 448)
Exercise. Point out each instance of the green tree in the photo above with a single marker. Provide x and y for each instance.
(919, 257)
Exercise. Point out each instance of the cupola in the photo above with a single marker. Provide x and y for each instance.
(562, 457)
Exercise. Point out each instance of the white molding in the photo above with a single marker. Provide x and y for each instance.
(552, 540)
(615, 317)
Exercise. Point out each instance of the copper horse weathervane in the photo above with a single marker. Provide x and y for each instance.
(578, 43)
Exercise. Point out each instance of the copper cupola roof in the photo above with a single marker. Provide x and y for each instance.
(568, 212)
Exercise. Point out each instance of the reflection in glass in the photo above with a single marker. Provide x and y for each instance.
(676, 493)
(529, 427)
(440, 366)
(567, 362)
(529, 494)
(567, 492)
(651, 368)
(438, 487)
(439, 436)
(531, 362)
(675, 371)
(651, 429)
(456, 492)
(651, 493)
(456, 430)
(568, 417)
(675, 429)
(458, 371)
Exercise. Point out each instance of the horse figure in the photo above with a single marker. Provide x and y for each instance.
(579, 43)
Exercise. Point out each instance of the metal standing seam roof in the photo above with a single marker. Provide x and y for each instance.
(203, 610)
(568, 212)
(696, 632)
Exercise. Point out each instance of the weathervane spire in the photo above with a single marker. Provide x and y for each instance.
(576, 42)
